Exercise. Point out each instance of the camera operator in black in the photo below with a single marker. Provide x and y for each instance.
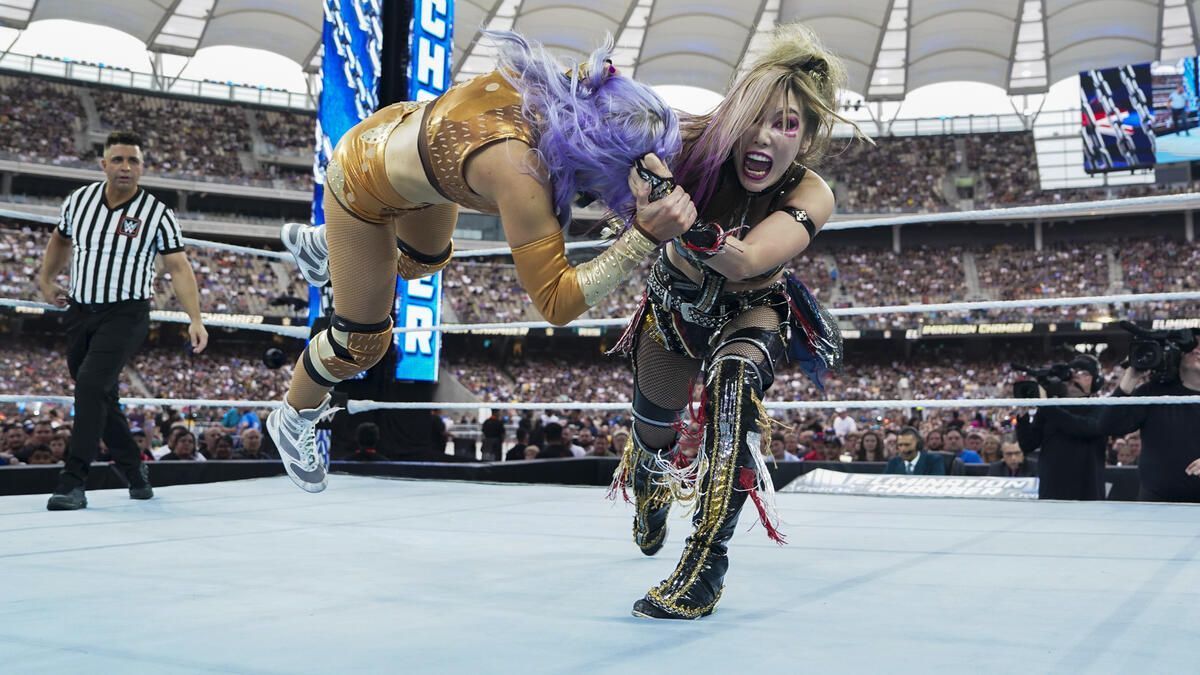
(1169, 468)
(1071, 462)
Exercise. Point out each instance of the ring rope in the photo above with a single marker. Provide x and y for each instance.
(1079, 209)
(356, 406)
(303, 332)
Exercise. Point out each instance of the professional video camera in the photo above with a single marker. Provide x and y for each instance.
(1159, 351)
(1052, 378)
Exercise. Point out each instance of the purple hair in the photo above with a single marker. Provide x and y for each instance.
(590, 129)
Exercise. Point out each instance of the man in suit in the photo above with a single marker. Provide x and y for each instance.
(1013, 463)
(912, 457)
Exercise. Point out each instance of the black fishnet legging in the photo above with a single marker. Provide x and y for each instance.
(665, 377)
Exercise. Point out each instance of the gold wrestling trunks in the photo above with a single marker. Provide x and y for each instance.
(457, 124)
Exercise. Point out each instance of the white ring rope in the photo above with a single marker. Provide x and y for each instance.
(303, 332)
(174, 316)
(354, 407)
(202, 243)
(1076, 209)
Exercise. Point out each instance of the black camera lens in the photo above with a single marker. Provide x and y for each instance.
(1145, 355)
(1026, 389)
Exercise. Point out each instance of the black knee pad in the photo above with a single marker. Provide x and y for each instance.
(647, 412)
(768, 342)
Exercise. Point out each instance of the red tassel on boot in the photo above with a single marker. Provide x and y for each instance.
(748, 481)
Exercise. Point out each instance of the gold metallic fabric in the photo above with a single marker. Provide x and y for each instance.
(356, 175)
(549, 279)
(408, 269)
(562, 292)
(601, 275)
(464, 120)
(366, 349)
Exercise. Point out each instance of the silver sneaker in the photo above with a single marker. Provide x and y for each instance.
(308, 246)
(295, 436)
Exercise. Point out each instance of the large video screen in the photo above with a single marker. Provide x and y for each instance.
(1173, 94)
(1117, 117)
(1139, 116)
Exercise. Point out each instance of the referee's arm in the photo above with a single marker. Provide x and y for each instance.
(184, 283)
(58, 254)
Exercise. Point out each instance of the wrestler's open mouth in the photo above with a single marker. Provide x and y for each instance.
(756, 165)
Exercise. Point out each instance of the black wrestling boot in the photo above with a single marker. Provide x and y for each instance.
(733, 408)
(70, 500)
(139, 482)
(652, 501)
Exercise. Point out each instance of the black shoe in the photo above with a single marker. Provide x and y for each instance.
(70, 501)
(139, 483)
(645, 609)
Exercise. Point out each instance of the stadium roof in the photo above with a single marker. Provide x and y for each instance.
(890, 46)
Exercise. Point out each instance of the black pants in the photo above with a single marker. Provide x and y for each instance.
(100, 341)
(1179, 120)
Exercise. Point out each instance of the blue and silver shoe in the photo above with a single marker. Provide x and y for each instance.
(295, 435)
(308, 247)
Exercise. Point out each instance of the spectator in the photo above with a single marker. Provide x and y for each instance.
(991, 450)
(517, 451)
(872, 446)
(40, 455)
(934, 441)
(252, 446)
(366, 444)
(620, 437)
(493, 437)
(779, 449)
(183, 448)
(223, 448)
(954, 445)
(1013, 464)
(555, 445)
(1126, 456)
(843, 423)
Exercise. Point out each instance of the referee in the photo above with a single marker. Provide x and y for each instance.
(110, 232)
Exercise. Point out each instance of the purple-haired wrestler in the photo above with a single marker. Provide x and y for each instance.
(520, 142)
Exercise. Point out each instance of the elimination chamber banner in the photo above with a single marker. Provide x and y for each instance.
(823, 481)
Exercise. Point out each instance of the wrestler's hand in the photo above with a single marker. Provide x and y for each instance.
(1193, 469)
(666, 218)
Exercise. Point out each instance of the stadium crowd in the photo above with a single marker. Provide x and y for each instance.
(486, 291)
(216, 142)
(229, 372)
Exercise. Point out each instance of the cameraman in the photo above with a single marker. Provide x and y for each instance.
(1071, 463)
(1169, 468)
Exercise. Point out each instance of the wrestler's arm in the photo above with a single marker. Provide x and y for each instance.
(779, 237)
(561, 292)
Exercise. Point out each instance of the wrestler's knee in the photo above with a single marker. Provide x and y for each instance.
(345, 349)
(762, 347)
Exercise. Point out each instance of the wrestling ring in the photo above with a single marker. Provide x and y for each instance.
(450, 576)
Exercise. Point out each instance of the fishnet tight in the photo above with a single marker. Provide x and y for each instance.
(665, 377)
(362, 270)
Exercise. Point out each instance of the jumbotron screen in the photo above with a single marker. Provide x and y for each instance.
(1117, 133)
(1138, 116)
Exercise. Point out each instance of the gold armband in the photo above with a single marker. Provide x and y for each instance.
(562, 292)
(601, 275)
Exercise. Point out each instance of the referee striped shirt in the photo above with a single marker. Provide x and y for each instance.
(113, 248)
